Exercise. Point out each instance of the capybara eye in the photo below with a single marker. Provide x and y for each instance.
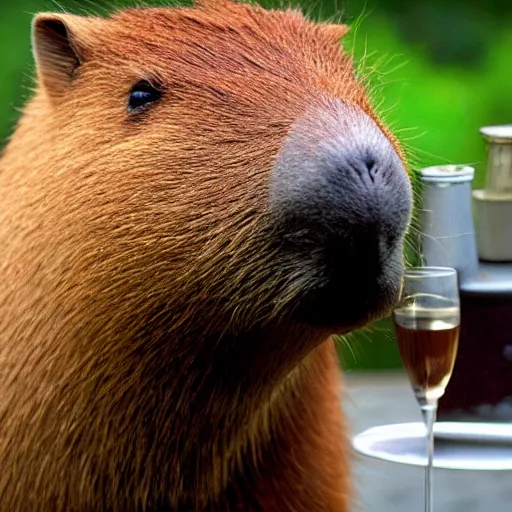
(142, 95)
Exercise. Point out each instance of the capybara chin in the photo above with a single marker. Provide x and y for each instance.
(195, 199)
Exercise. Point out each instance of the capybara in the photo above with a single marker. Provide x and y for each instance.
(193, 202)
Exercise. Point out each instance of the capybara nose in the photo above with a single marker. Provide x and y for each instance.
(340, 199)
(339, 179)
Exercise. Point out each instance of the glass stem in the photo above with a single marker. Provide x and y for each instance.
(429, 411)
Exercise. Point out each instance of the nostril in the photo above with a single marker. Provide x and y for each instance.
(371, 166)
(365, 165)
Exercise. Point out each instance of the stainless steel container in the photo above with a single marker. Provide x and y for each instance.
(493, 204)
(448, 233)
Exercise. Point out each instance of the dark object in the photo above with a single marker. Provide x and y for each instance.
(483, 369)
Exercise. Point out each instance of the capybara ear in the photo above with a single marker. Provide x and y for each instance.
(60, 45)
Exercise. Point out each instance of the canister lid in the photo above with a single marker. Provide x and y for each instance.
(501, 134)
(448, 173)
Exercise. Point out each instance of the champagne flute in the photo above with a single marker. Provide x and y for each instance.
(427, 327)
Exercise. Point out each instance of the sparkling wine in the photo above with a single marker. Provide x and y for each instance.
(428, 339)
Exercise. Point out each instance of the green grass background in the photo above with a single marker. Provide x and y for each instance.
(441, 69)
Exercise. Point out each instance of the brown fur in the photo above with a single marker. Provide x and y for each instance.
(143, 364)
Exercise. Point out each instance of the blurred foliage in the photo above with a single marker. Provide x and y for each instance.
(438, 69)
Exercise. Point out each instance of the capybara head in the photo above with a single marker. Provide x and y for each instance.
(187, 188)
(227, 152)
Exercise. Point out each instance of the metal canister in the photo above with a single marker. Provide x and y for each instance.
(446, 220)
(493, 204)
